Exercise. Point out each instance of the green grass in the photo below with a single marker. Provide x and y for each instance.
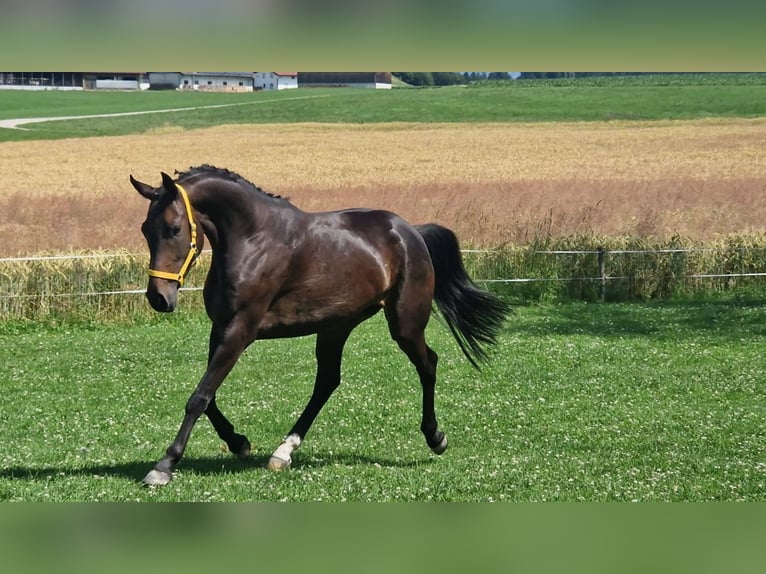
(639, 81)
(613, 402)
(538, 102)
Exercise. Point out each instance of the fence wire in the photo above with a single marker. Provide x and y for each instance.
(510, 280)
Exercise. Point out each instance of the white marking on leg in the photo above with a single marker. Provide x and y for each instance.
(157, 478)
(441, 447)
(280, 459)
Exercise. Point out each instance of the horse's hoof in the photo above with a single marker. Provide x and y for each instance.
(157, 478)
(276, 463)
(244, 450)
(441, 447)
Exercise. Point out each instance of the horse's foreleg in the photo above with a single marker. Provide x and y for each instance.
(329, 350)
(221, 362)
(237, 443)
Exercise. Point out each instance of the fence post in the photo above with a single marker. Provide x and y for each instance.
(602, 271)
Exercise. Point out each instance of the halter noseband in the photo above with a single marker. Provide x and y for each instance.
(193, 251)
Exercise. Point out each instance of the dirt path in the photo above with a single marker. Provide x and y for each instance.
(18, 122)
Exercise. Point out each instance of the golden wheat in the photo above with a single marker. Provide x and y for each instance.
(493, 183)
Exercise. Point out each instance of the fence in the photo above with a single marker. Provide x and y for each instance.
(623, 274)
(110, 285)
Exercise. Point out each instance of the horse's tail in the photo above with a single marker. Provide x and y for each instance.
(473, 315)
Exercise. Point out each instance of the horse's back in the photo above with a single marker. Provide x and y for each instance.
(396, 241)
(405, 253)
(346, 265)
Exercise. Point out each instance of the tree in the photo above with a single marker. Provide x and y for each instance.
(416, 78)
(431, 78)
(540, 75)
(447, 78)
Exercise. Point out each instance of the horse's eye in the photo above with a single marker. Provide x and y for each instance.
(172, 231)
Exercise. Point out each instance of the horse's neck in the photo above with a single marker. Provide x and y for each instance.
(226, 215)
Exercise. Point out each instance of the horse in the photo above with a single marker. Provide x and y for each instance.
(278, 271)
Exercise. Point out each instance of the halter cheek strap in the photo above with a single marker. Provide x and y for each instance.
(193, 251)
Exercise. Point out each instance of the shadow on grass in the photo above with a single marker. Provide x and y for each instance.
(731, 320)
(212, 465)
(132, 470)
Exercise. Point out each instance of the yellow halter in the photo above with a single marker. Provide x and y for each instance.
(193, 251)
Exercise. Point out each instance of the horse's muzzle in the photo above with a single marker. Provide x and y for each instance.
(161, 302)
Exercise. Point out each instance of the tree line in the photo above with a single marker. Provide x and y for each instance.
(461, 78)
(429, 79)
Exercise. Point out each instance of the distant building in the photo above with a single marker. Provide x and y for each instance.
(74, 80)
(276, 80)
(373, 80)
(202, 81)
(198, 81)
(223, 81)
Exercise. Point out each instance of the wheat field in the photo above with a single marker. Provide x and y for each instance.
(492, 183)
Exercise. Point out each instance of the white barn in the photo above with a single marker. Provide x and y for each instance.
(276, 80)
(223, 81)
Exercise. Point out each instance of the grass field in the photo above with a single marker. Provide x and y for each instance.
(574, 101)
(583, 402)
(42, 104)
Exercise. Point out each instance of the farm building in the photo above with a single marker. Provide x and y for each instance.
(249, 81)
(276, 80)
(201, 81)
(73, 80)
(374, 80)
(223, 81)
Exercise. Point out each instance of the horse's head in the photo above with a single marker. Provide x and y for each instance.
(171, 233)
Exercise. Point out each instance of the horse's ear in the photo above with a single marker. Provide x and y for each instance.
(169, 186)
(144, 189)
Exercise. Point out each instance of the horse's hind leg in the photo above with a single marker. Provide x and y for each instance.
(425, 359)
(409, 334)
(329, 350)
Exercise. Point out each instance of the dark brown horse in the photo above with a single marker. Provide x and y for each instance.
(277, 271)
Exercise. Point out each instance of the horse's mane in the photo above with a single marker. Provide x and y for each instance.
(213, 171)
